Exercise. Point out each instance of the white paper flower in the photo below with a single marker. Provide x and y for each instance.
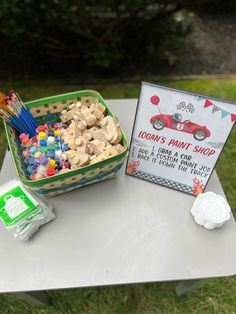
(210, 210)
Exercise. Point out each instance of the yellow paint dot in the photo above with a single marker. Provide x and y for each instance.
(56, 133)
(42, 135)
(51, 163)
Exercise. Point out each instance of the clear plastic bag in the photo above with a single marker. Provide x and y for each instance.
(22, 211)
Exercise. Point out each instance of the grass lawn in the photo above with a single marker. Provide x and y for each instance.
(216, 296)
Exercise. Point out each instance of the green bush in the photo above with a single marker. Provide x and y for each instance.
(212, 6)
(66, 35)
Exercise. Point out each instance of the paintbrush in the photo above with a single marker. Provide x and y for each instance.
(14, 112)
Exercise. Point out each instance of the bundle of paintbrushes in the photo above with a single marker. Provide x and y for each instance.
(14, 112)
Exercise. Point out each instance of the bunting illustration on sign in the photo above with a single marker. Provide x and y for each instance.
(178, 137)
(215, 108)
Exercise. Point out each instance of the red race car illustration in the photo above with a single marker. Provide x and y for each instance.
(174, 122)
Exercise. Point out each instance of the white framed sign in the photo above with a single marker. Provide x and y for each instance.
(177, 137)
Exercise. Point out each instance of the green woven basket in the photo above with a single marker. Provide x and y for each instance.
(48, 110)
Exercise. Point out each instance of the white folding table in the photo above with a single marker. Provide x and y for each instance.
(119, 231)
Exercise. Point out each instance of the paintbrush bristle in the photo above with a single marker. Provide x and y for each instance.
(14, 111)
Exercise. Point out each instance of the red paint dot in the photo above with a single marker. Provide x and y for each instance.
(41, 128)
(50, 172)
(155, 100)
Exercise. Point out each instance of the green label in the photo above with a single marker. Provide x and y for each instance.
(15, 203)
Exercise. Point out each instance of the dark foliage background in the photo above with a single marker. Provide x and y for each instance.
(56, 37)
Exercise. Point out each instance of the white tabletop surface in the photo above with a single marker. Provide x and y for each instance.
(122, 230)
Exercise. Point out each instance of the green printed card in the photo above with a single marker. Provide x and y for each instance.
(15, 202)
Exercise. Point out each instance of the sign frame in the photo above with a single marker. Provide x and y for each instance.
(199, 185)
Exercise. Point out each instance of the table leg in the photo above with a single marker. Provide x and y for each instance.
(188, 286)
(34, 297)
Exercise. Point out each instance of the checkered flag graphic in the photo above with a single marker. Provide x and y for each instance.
(184, 107)
(162, 181)
(215, 109)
